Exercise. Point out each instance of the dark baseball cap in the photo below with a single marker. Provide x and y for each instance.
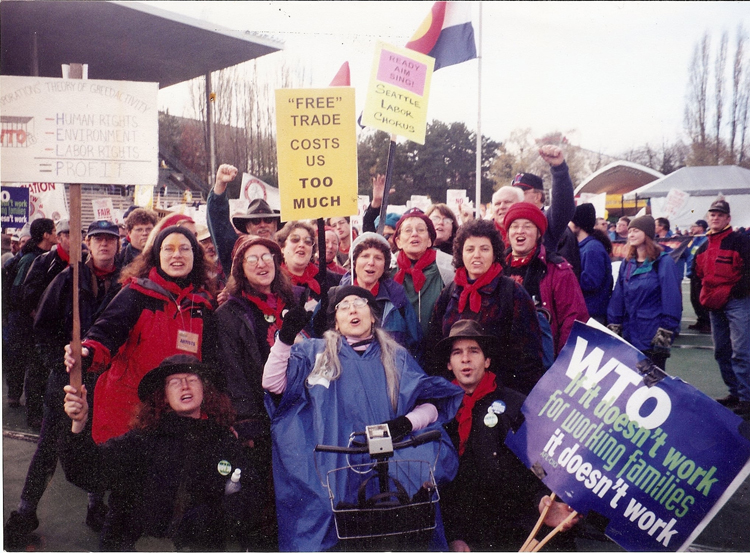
(103, 227)
(720, 205)
(528, 181)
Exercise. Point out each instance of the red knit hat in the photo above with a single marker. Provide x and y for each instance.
(526, 210)
(419, 214)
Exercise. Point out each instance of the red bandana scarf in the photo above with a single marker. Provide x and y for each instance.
(102, 273)
(486, 386)
(270, 308)
(522, 261)
(375, 289)
(417, 276)
(65, 256)
(470, 292)
(306, 279)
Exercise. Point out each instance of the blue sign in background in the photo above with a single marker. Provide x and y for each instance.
(14, 208)
(652, 455)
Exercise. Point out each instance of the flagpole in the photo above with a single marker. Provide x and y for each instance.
(478, 202)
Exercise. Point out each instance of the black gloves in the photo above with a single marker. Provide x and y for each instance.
(399, 427)
(294, 321)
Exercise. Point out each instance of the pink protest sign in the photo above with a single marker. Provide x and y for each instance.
(401, 71)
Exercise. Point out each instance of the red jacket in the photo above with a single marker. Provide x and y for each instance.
(148, 321)
(723, 265)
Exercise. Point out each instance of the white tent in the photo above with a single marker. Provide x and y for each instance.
(699, 187)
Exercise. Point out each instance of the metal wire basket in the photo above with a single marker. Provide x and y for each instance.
(367, 504)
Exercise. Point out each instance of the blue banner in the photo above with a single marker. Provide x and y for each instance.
(14, 208)
(609, 432)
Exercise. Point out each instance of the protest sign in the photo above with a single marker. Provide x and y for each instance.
(676, 202)
(454, 199)
(317, 152)
(79, 131)
(143, 196)
(15, 207)
(398, 92)
(46, 199)
(610, 433)
(253, 188)
(103, 209)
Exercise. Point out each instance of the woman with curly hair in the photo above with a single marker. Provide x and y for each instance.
(163, 309)
(297, 241)
(371, 253)
(482, 293)
(168, 474)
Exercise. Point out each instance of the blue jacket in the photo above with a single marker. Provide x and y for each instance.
(326, 412)
(596, 276)
(398, 316)
(645, 298)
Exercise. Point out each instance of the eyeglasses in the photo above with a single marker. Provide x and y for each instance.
(437, 220)
(184, 250)
(522, 227)
(411, 230)
(358, 303)
(266, 220)
(176, 382)
(388, 236)
(252, 260)
(295, 238)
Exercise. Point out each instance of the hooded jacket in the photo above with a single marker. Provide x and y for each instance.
(647, 296)
(149, 320)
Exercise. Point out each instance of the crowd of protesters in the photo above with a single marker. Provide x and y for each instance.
(224, 345)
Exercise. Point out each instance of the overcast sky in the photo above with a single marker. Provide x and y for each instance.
(611, 75)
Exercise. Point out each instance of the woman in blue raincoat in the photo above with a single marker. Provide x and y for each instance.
(646, 305)
(322, 390)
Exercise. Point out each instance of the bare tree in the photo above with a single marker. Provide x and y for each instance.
(737, 67)
(742, 121)
(696, 108)
(719, 69)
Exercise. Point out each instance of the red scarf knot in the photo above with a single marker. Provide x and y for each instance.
(416, 271)
(272, 306)
(375, 289)
(307, 278)
(470, 292)
(486, 386)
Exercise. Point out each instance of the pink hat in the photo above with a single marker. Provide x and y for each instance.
(526, 210)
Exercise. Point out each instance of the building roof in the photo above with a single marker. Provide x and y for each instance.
(126, 41)
(618, 177)
(700, 181)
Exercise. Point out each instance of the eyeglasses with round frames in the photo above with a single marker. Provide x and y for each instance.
(252, 260)
(358, 303)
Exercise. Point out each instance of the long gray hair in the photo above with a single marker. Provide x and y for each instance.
(328, 363)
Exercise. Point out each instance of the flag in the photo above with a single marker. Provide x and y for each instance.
(446, 34)
(342, 78)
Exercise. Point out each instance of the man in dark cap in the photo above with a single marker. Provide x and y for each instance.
(703, 321)
(494, 500)
(723, 265)
(259, 220)
(558, 238)
(596, 266)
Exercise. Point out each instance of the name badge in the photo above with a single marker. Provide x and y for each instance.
(187, 341)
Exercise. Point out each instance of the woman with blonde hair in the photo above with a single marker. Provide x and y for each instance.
(322, 390)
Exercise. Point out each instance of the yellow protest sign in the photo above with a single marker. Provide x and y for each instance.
(316, 140)
(398, 92)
